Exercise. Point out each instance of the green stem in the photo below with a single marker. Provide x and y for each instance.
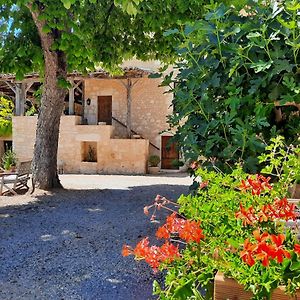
(219, 45)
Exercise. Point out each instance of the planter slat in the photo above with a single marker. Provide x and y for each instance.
(229, 289)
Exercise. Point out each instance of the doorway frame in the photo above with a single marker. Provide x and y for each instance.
(169, 134)
(97, 115)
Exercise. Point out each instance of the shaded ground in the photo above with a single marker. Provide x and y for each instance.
(67, 245)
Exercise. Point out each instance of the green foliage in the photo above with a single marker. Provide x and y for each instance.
(6, 113)
(234, 65)
(31, 111)
(216, 205)
(177, 163)
(9, 159)
(282, 162)
(153, 160)
(87, 32)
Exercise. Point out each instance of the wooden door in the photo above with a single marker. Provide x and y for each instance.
(105, 109)
(169, 153)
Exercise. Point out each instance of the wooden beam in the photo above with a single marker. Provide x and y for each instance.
(11, 86)
(28, 85)
(75, 86)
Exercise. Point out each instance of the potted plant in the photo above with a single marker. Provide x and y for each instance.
(153, 162)
(234, 224)
(9, 161)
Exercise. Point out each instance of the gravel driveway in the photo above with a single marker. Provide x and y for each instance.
(67, 244)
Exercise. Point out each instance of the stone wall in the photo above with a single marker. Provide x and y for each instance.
(114, 156)
(150, 106)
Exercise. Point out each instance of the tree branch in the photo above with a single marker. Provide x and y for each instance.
(108, 14)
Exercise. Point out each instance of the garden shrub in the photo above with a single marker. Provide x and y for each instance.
(237, 71)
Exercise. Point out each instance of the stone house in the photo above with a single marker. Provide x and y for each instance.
(110, 125)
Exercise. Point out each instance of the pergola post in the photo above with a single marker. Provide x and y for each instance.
(18, 101)
(129, 85)
(20, 89)
(71, 98)
(72, 95)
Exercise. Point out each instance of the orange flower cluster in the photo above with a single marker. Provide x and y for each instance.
(280, 209)
(256, 185)
(265, 248)
(153, 255)
(187, 230)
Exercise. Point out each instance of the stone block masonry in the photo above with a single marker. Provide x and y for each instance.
(149, 109)
(113, 156)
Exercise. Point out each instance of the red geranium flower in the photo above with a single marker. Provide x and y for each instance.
(162, 232)
(297, 248)
(247, 253)
(246, 215)
(191, 232)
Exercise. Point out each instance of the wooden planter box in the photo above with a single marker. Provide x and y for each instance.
(229, 289)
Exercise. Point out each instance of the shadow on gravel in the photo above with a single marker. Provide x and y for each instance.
(68, 245)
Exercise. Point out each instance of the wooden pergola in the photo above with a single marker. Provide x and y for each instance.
(21, 90)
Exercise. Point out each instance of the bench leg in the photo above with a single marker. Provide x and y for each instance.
(8, 189)
(1, 187)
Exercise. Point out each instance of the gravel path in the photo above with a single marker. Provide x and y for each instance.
(67, 244)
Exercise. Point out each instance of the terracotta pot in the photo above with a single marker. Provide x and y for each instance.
(153, 170)
(13, 169)
(229, 289)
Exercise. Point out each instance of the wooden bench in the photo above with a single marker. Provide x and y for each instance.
(14, 181)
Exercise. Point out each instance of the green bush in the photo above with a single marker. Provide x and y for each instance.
(153, 160)
(233, 67)
(6, 113)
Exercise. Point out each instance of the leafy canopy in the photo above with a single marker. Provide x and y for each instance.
(234, 65)
(90, 32)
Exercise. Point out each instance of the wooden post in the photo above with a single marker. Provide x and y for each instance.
(129, 85)
(71, 99)
(72, 95)
(20, 89)
(18, 99)
(23, 98)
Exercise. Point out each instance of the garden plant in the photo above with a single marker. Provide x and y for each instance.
(236, 84)
(6, 113)
(240, 224)
(9, 160)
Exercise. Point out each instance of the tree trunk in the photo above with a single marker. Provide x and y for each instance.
(45, 150)
(46, 145)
